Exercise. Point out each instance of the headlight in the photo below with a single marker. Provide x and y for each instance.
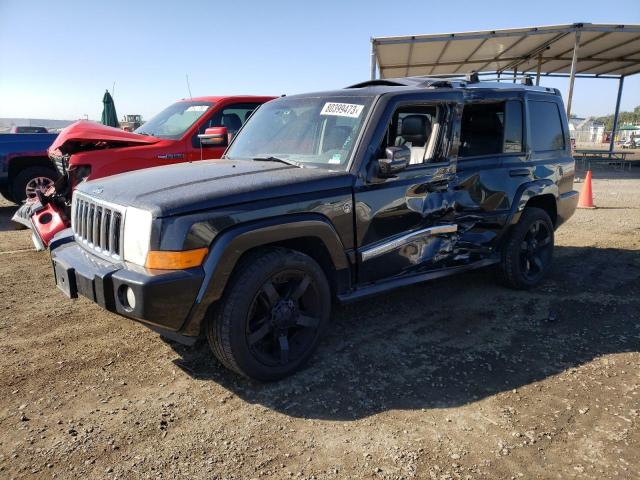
(137, 235)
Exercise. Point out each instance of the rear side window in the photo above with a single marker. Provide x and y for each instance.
(546, 126)
(491, 129)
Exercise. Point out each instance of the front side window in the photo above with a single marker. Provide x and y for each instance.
(417, 127)
(175, 120)
(546, 126)
(232, 117)
(491, 129)
(311, 131)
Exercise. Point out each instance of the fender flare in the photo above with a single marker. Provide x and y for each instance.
(526, 192)
(14, 167)
(232, 243)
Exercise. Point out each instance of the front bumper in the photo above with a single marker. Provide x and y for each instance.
(163, 298)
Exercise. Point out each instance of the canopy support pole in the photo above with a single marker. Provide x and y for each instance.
(374, 60)
(538, 69)
(572, 76)
(615, 115)
(515, 74)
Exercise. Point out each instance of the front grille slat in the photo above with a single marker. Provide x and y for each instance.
(97, 225)
(90, 222)
(117, 228)
(113, 233)
(80, 221)
(85, 228)
(104, 229)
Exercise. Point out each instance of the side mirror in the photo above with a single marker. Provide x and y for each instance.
(397, 160)
(214, 137)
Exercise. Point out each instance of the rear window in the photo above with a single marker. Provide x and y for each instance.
(546, 126)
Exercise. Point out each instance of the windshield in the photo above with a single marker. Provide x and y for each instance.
(174, 120)
(311, 131)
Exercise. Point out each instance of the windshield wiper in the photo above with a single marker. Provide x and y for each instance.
(276, 159)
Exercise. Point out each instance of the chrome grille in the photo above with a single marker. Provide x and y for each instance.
(97, 225)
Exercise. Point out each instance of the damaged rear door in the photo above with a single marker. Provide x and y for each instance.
(406, 223)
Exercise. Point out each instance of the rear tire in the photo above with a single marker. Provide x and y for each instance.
(272, 314)
(31, 179)
(528, 250)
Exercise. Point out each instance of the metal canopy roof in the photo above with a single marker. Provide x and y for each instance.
(603, 51)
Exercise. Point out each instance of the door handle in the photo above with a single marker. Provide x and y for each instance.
(437, 186)
(519, 172)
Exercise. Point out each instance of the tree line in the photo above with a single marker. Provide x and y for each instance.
(632, 118)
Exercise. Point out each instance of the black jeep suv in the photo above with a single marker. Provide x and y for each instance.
(339, 194)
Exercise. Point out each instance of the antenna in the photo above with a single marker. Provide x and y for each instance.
(113, 90)
(188, 86)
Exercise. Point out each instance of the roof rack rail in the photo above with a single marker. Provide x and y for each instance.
(473, 77)
(447, 81)
(423, 82)
(527, 80)
(524, 79)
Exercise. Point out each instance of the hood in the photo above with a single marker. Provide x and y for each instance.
(85, 135)
(188, 187)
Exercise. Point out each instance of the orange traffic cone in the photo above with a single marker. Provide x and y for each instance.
(586, 195)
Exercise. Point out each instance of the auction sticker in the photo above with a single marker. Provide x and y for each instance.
(342, 109)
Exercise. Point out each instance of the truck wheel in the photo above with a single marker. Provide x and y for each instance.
(4, 191)
(272, 314)
(528, 251)
(26, 183)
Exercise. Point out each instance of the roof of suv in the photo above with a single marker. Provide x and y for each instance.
(472, 82)
(420, 84)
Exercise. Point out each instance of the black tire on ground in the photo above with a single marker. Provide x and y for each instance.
(4, 191)
(22, 179)
(272, 314)
(528, 250)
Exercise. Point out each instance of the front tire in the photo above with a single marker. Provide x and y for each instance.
(272, 314)
(528, 250)
(30, 180)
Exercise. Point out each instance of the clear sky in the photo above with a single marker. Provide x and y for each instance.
(58, 57)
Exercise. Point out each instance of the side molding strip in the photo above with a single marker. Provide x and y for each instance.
(386, 247)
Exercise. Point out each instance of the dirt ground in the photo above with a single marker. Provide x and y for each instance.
(457, 378)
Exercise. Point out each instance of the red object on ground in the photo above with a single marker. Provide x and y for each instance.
(586, 195)
(48, 222)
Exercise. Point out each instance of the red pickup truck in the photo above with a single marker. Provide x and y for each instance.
(189, 130)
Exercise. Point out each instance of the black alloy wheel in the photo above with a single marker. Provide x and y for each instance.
(527, 251)
(273, 312)
(535, 250)
(284, 318)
